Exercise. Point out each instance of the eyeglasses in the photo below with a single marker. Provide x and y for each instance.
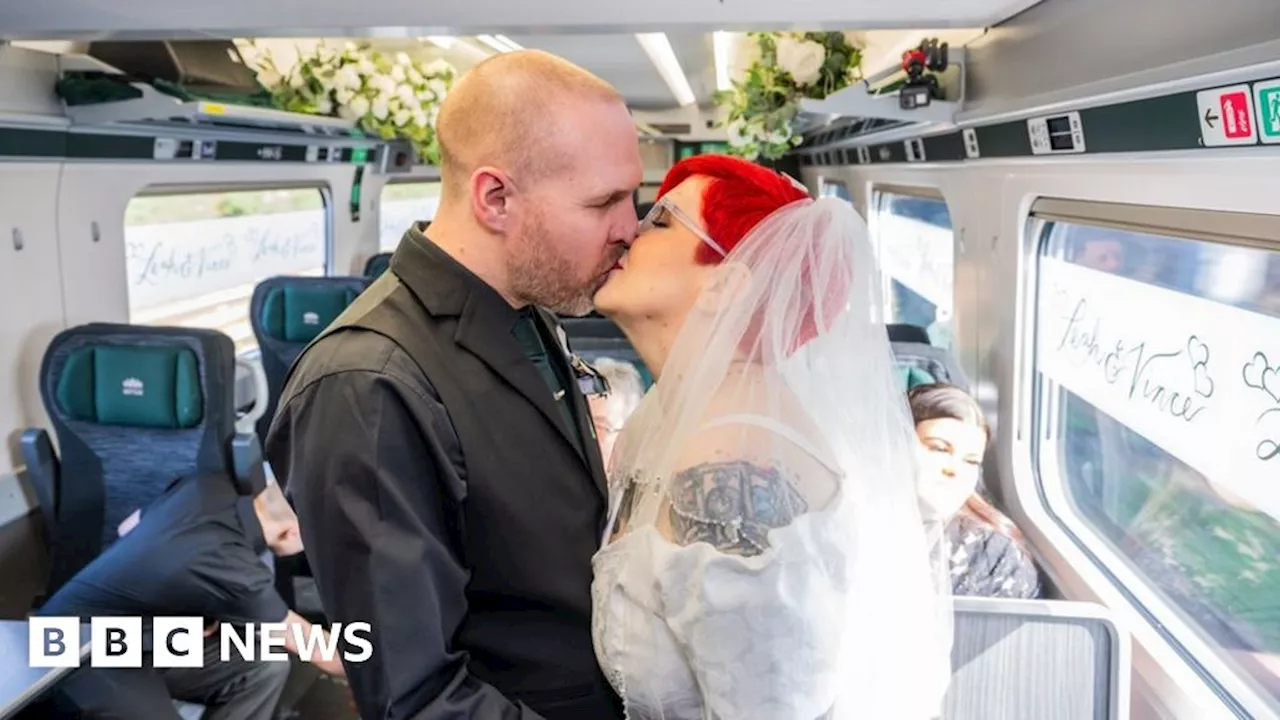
(663, 207)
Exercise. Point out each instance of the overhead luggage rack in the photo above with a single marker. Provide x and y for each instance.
(156, 107)
(875, 110)
(110, 115)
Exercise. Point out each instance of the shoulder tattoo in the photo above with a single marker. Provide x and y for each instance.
(732, 505)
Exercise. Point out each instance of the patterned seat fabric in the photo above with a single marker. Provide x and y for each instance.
(134, 408)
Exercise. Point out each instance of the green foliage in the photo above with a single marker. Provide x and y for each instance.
(786, 67)
(390, 97)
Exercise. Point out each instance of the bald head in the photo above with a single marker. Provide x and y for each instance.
(539, 162)
(514, 111)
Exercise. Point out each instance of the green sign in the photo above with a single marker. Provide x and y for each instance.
(1267, 100)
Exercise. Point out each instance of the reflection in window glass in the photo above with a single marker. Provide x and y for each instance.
(915, 242)
(1164, 358)
(194, 259)
(402, 205)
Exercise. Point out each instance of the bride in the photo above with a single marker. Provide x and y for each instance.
(765, 556)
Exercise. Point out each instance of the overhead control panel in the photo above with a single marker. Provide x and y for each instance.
(1056, 134)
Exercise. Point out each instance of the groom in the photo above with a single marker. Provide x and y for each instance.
(436, 439)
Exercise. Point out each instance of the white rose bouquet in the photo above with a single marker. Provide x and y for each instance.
(773, 72)
(389, 97)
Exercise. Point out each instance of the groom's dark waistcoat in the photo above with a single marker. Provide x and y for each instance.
(449, 495)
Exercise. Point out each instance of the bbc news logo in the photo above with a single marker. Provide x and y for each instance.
(179, 642)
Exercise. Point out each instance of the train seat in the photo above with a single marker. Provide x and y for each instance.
(1042, 659)
(377, 265)
(287, 313)
(926, 361)
(902, 332)
(133, 409)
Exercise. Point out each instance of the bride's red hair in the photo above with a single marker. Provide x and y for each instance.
(739, 196)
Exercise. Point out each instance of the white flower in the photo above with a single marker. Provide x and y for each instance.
(438, 87)
(383, 84)
(737, 133)
(380, 108)
(343, 96)
(419, 117)
(349, 47)
(346, 112)
(403, 59)
(359, 105)
(780, 136)
(406, 95)
(366, 67)
(347, 77)
(324, 106)
(438, 67)
(296, 80)
(398, 73)
(415, 77)
(802, 59)
(402, 118)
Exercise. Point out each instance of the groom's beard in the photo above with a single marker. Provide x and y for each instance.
(539, 274)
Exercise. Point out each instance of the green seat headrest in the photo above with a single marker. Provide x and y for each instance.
(133, 386)
(913, 376)
(299, 314)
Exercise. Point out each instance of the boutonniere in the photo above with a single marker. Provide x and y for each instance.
(590, 381)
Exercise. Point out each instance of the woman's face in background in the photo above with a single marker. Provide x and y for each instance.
(951, 457)
(602, 415)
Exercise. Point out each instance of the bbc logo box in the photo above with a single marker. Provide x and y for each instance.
(179, 642)
(116, 642)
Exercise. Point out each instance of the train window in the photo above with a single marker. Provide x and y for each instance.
(913, 232)
(1158, 391)
(402, 205)
(194, 258)
(833, 188)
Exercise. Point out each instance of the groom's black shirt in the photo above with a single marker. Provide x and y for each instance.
(451, 494)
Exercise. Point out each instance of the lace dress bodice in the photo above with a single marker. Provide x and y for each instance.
(688, 633)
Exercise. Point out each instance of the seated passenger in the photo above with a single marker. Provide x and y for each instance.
(610, 412)
(989, 556)
(196, 551)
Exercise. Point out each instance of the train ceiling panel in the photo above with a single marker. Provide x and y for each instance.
(148, 19)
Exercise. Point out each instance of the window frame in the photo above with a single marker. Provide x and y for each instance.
(825, 182)
(399, 181)
(180, 189)
(877, 200)
(1037, 424)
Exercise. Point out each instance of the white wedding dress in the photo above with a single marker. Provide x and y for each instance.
(836, 613)
(692, 633)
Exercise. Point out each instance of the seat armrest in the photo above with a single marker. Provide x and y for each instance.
(246, 463)
(43, 472)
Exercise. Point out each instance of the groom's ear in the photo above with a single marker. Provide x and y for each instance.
(725, 284)
(490, 198)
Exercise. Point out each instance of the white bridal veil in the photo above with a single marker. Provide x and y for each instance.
(785, 364)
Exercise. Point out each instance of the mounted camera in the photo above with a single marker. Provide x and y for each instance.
(920, 64)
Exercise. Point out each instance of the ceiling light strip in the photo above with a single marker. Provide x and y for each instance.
(664, 59)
